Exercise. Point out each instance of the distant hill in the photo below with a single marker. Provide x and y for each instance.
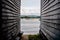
(29, 16)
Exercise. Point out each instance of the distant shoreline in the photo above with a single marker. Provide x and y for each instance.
(29, 16)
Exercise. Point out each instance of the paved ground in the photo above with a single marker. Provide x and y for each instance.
(24, 37)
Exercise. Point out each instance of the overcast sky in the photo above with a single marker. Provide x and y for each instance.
(30, 7)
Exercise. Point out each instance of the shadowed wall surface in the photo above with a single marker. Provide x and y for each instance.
(50, 19)
(9, 19)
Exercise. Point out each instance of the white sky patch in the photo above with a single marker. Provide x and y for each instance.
(30, 11)
(30, 7)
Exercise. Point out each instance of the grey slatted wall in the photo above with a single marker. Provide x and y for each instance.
(50, 19)
(9, 19)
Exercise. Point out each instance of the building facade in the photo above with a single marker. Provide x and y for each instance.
(9, 19)
(50, 19)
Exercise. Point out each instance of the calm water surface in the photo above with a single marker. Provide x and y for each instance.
(30, 26)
